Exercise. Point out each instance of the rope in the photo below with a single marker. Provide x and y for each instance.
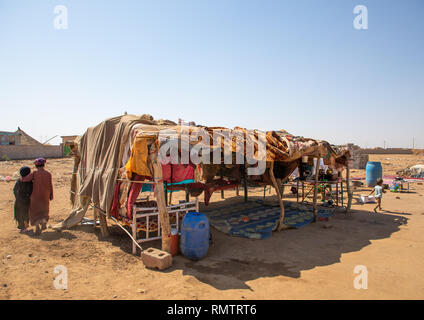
(117, 223)
(142, 182)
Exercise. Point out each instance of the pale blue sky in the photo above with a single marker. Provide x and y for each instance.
(294, 65)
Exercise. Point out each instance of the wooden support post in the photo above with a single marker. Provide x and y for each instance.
(170, 182)
(103, 224)
(349, 191)
(280, 185)
(222, 178)
(187, 194)
(134, 231)
(297, 191)
(245, 184)
(160, 198)
(74, 180)
(316, 189)
(337, 194)
(95, 218)
(222, 191)
(166, 193)
(170, 198)
(278, 191)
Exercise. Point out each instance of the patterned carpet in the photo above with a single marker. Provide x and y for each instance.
(257, 220)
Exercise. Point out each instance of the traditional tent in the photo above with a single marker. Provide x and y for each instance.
(115, 158)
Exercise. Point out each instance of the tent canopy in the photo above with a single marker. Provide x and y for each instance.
(105, 149)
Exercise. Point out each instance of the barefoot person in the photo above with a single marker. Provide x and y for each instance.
(42, 194)
(22, 192)
(378, 190)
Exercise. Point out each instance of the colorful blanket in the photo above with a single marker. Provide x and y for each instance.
(255, 220)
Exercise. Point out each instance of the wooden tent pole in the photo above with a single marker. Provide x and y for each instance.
(170, 198)
(170, 194)
(245, 184)
(95, 218)
(74, 182)
(280, 185)
(297, 191)
(187, 194)
(278, 191)
(222, 177)
(160, 198)
(103, 223)
(349, 192)
(166, 193)
(316, 189)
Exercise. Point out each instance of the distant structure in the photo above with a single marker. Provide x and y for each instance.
(68, 139)
(67, 143)
(181, 122)
(9, 138)
(358, 160)
(17, 138)
(360, 157)
(387, 151)
(19, 145)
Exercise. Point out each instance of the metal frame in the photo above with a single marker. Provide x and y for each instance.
(339, 192)
(183, 207)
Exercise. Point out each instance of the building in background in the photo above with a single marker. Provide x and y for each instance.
(358, 160)
(17, 138)
(19, 145)
(9, 138)
(67, 142)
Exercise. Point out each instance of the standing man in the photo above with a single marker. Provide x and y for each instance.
(41, 195)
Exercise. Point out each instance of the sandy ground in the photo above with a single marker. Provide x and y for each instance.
(315, 262)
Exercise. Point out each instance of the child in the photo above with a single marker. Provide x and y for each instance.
(41, 196)
(22, 192)
(379, 190)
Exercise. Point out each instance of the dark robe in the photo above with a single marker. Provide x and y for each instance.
(41, 195)
(22, 192)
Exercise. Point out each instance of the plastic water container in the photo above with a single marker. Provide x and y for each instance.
(373, 171)
(194, 241)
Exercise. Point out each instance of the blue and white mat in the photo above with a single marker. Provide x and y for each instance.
(255, 220)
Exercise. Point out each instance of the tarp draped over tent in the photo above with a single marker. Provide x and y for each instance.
(100, 151)
(103, 150)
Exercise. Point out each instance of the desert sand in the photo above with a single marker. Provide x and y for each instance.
(314, 262)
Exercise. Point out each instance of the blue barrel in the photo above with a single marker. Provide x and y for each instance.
(194, 242)
(373, 171)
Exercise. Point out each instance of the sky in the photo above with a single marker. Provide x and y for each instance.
(272, 64)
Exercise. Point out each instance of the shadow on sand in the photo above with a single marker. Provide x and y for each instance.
(232, 262)
(48, 235)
